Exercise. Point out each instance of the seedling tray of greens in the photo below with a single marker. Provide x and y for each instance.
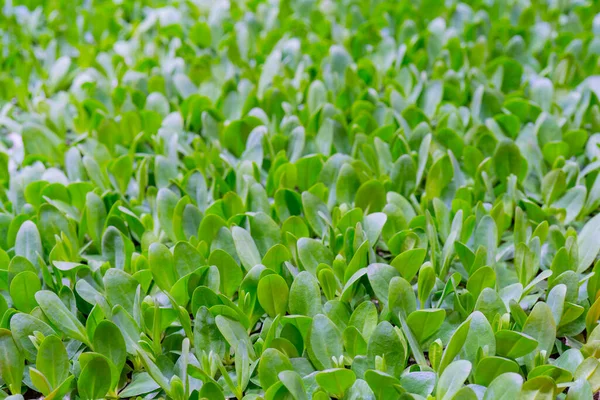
(300, 199)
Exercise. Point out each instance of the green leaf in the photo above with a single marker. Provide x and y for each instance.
(109, 342)
(207, 337)
(245, 247)
(489, 368)
(294, 384)
(39, 381)
(28, 242)
(385, 342)
(514, 344)
(12, 362)
(539, 388)
(425, 323)
(140, 384)
(53, 361)
(452, 379)
(504, 387)
(482, 278)
(401, 297)
(58, 314)
(95, 379)
(540, 325)
(371, 196)
(480, 336)
(587, 243)
(420, 382)
(316, 212)
(336, 381)
(22, 327)
(580, 390)
(439, 176)
(423, 157)
(408, 263)
(230, 273)
(364, 318)
(116, 248)
(166, 202)
(234, 333)
(507, 160)
(486, 234)
(272, 362)
(426, 282)
(23, 288)
(162, 266)
(311, 253)
(558, 375)
(120, 289)
(457, 341)
(273, 295)
(304, 296)
(324, 341)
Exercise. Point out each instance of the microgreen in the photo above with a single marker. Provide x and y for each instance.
(311, 199)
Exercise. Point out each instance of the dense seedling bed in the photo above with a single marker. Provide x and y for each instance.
(300, 199)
